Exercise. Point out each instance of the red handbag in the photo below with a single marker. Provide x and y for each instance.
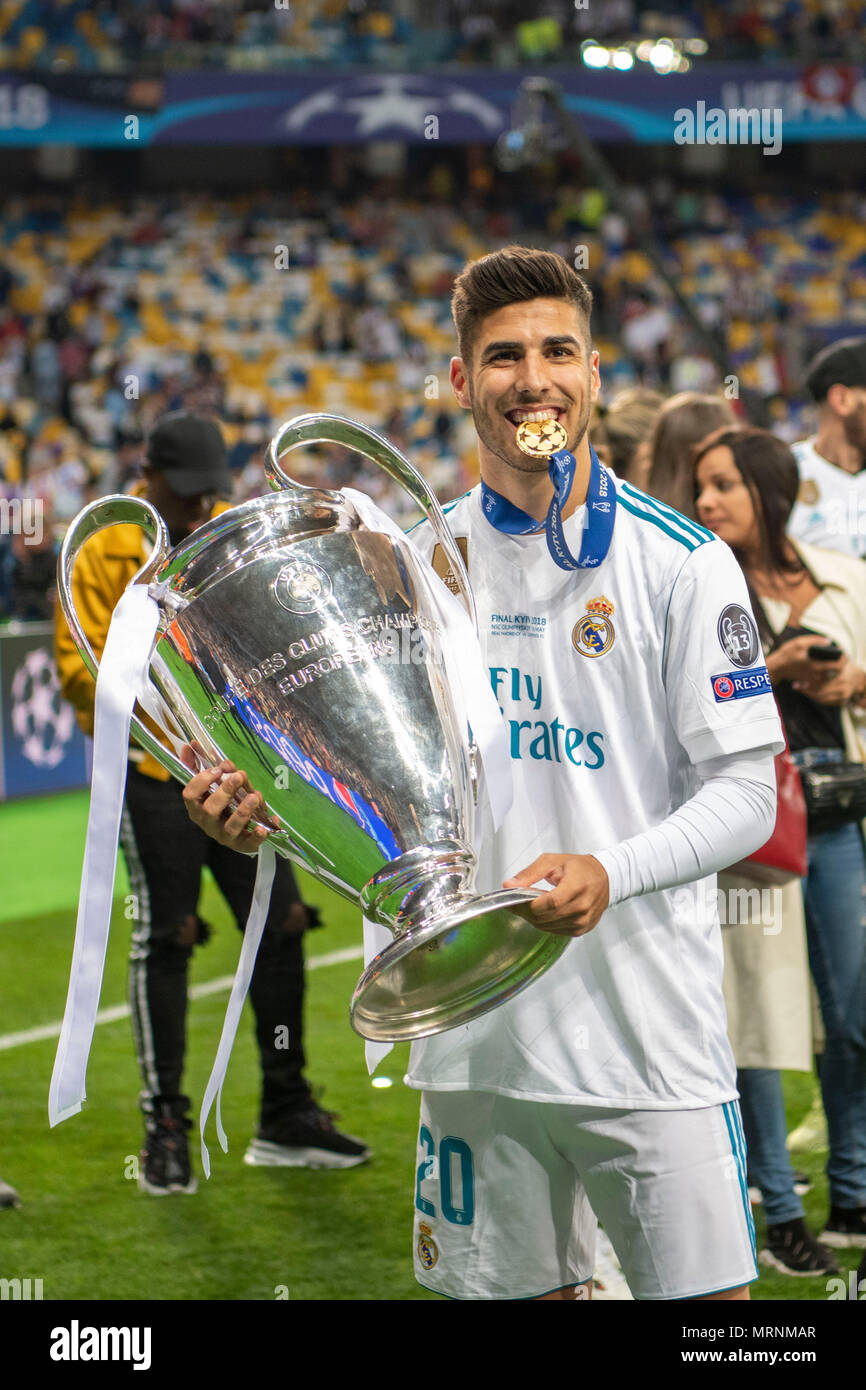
(783, 857)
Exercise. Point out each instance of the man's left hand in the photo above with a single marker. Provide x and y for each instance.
(580, 894)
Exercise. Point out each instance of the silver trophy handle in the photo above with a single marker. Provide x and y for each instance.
(117, 510)
(337, 429)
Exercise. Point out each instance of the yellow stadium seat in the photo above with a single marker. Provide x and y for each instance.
(741, 334)
(9, 11)
(88, 26)
(53, 431)
(380, 24)
(26, 299)
(156, 327)
(31, 42)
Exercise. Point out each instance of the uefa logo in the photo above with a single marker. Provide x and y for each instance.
(302, 587)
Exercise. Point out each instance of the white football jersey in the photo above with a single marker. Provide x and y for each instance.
(613, 682)
(830, 510)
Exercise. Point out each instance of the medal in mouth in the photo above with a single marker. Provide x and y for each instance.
(541, 438)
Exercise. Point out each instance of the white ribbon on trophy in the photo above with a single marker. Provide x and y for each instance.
(122, 674)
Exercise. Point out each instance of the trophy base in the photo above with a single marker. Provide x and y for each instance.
(450, 970)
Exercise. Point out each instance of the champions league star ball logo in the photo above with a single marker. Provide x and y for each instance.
(541, 438)
(594, 634)
(302, 587)
(40, 719)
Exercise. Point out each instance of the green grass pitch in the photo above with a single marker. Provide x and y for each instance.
(249, 1233)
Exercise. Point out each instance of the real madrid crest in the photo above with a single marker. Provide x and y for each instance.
(594, 634)
(428, 1250)
(808, 493)
(302, 587)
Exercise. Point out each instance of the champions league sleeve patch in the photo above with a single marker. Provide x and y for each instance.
(738, 636)
(739, 685)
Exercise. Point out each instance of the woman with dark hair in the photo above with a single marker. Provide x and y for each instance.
(803, 598)
(682, 423)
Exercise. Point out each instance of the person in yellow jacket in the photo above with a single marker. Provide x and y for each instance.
(185, 477)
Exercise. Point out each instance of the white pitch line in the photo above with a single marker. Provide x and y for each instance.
(118, 1011)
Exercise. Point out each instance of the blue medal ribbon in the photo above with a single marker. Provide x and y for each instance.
(600, 512)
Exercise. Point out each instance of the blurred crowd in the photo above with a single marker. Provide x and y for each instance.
(111, 35)
(113, 312)
(768, 29)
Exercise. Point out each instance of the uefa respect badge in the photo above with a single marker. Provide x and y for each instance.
(739, 685)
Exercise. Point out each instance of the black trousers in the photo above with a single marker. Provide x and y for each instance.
(165, 854)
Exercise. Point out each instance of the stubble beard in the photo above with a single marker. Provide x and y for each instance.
(855, 432)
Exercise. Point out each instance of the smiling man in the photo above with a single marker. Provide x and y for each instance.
(607, 1088)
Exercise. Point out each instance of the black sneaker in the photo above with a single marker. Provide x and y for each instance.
(165, 1166)
(845, 1226)
(8, 1196)
(791, 1249)
(306, 1139)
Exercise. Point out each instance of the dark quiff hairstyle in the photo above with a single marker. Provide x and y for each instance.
(769, 470)
(512, 276)
(682, 423)
(842, 363)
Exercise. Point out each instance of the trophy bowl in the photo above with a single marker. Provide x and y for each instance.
(307, 649)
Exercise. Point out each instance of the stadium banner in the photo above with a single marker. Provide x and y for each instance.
(42, 748)
(826, 101)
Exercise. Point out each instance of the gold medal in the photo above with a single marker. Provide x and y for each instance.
(541, 438)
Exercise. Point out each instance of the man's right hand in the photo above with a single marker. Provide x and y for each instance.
(211, 810)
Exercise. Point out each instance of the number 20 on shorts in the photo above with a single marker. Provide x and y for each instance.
(459, 1212)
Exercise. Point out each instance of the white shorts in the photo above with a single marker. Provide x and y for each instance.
(507, 1193)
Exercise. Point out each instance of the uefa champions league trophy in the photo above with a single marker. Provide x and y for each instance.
(308, 649)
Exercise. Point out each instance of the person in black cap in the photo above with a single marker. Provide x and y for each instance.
(186, 471)
(831, 505)
(186, 478)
